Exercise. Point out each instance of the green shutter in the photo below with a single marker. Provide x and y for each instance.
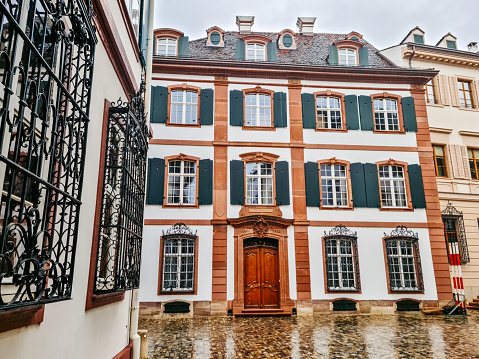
(280, 114)
(371, 181)
(205, 195)
(144, 27)
(236, 108)
(237, 182)
(417, 186)
(156, 177)
(206, 106)
(159, 104)
(311, 177)
(309, 110)
(282, 183)
(271, 52)
(363, 56)
(352, 116)
(366, 113)
(358, 186)
(239, 50)
(409, 114)
(183, 46)
(152, 103)
(333, 55)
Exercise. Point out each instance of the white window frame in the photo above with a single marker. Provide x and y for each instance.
(193, 106)
(182, 175)
(337, 258)
(347, 57)
(394, 184)
(386, 112)
(259, 51)
(400, 256)
(171, 46)
(176, 241)
(328, 110)
(268, 180)
(255, 121)
(334, 179)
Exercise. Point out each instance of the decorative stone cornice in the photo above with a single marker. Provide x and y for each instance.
(441, 55)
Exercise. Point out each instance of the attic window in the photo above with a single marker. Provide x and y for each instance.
(419, 39)
(286, 40)
(166, 47)
(255, 52)
(215, 37)
(451, 44)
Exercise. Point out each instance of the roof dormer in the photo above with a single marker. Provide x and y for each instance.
(286, 40)
(215, 37)
(416, 36)
(448, 41)
(354, 36)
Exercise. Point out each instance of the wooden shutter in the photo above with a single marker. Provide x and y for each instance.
(459, 161)
(363, 56)
(409, 114)
(444, 90)
(417, 187)
(437, 89)
(309, 110)
(156, 177)
(237, 182)
(358, 186)
(183, 46)
(240, 50)
(311, 177)
(206, 106)
(159, 104)
(454, 91)
(475, 93)
(366, 113)
(280, 114)
(333, 55)
(371, 181)
(236, 108)
(282, 183)
(271, 51)
(352, 115)
(205, 192)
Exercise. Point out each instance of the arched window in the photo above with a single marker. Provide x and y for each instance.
(347, 57)
(255, 52)
(166, 47)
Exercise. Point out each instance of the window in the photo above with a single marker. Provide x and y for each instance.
(455, 234)
(386, 114)
(255, 52)
(419, 39)
(181, 186)
(184, 107)
(393, 187)
(473, 156)
(334, 185)
(439, 161)
(133, 7)
(178, 260)
(258, 110)
(430, 92)
(166, 47)
(465, 93)
(347, 57)
(451, 44)
(403, 261)
(259, 183)
(328, 113)
(342, 264)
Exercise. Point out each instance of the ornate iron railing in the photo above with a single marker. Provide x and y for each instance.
(46, 66)
(454, 231)
(119, 244)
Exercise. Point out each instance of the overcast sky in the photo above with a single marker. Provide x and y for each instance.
(383, 23)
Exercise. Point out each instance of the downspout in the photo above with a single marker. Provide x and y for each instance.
(412, 55)
(134, 337)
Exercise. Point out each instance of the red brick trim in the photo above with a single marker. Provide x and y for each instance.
(23, 317)
(126, 352)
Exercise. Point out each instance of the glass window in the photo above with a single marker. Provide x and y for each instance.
(334, 188)
(439, 161)
(473, 155)
(430, 92)
(181, 182)
(166, 47)
(341, 262)
(393, 188)
(455, 235)
(386, 114)
(259, 183)
(465, 94)
(258, 110)
(255, 52)
(347, 57)
(402, 258)
(133, 7)
(178, 264)
(184, 107)
(328, 112)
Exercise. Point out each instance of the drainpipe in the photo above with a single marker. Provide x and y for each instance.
(134, 337)
(412, 55)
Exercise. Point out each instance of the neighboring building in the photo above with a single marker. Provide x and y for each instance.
(73, 163)
(286, 175)
(452, 102)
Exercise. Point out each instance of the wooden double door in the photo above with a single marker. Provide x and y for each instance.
(261, 273)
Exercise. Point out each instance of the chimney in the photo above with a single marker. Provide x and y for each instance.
(306, 25)
(472, 47)
(244, 24)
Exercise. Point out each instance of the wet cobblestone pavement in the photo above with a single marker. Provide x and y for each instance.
(327, 336)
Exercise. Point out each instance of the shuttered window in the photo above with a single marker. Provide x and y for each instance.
(166, 47)
(258, 110)
(181, 187)
(259, 183)
(393, 188)
(473, 156)
(328, 112)
(439, 161)
(255, 52)
(347, 57)
(386, 114)
(465, 93)
(184, 107)
(430, 92)
(334, 185)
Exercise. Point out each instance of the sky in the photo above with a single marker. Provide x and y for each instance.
(383, 23)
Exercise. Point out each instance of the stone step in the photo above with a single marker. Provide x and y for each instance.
(263, 313)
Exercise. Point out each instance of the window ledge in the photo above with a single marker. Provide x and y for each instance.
(434, 105)
(167, 292)
(259, 128)
(166, 205)
(183, 124)
(333, 208)
(331, 129)
(350, 291)
(98, 300)
(390, 132)
(255, 210)
(399, 209)
(416, 291)
(23, 317)
(468, 109)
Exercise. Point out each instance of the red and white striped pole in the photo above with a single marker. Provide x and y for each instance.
(456, 273)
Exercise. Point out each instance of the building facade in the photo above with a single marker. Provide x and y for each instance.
(289, 172)
(73, 161)
(452, 103)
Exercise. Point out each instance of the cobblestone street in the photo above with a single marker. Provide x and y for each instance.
(329, 336)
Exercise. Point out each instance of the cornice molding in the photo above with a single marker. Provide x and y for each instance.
(441, 55)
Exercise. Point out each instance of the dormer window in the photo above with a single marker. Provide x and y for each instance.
(170, 42)
(286, 40)
(451, 44)
(419, 39)
(166, 47)
(215, 37)
(255, 52)
(347, 57)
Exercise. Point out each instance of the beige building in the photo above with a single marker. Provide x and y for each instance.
(452, 100)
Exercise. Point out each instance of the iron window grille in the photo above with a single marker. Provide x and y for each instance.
(121, 224)
(46, 66)
(403, 260)
(342, 261)
(179, 257)
(455, 232)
